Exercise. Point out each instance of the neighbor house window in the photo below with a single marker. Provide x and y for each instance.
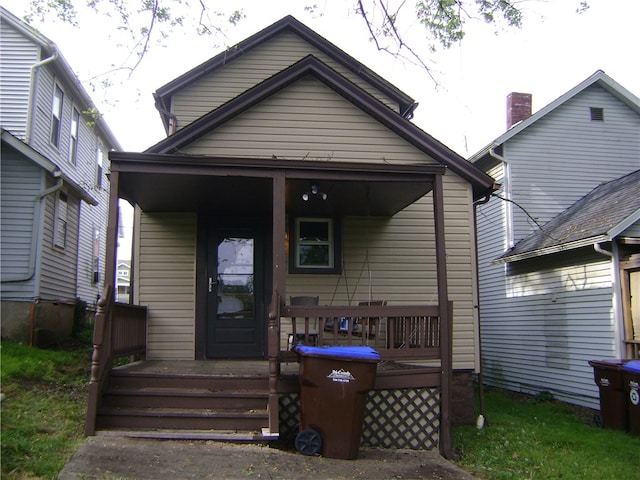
(60, 221)
(56, 115)
(315, 246)
(96, 255)
(99, 168)
(73, 144)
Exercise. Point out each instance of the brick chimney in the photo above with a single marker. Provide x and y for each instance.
(518, 108)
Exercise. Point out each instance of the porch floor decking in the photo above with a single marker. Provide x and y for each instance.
(389, 374)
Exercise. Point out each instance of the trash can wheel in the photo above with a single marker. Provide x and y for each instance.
(309, 442)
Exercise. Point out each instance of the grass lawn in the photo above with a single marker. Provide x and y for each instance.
(44, 408)
(536, 438)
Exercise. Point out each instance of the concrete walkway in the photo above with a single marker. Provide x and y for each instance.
(122, 458)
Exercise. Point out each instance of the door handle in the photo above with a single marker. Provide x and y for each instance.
(212, 284)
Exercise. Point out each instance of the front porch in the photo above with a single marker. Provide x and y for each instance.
(233, 400)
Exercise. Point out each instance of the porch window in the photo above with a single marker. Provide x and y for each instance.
(316, 246)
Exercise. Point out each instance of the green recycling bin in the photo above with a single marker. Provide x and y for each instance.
(334, 383)
(613, 403)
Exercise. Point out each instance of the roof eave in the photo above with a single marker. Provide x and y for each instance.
(482, 183)
(407, 104)
(585, 242)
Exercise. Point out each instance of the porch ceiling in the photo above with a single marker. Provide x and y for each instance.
(240, 186)
(238, 195)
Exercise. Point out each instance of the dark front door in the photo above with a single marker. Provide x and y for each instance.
(235, 323)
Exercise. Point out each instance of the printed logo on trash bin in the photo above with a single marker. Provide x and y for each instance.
(341, 376)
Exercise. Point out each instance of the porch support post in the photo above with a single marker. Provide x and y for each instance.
(112, 233)
(277, 294)
(446, 360)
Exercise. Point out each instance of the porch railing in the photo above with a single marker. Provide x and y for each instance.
(119, 330)
(396, 332)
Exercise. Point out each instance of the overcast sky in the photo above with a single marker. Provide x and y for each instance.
(555, 50)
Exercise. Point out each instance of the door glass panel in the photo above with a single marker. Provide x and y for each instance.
(236, 278)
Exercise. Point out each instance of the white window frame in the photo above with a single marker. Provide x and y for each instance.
(99, 166)
(60, 223)
(57, 104)
(74, 131)
(332, 243)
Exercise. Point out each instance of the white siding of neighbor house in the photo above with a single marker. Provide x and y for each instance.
(165, 283)
(19, 54)
(250, 69)
(542, 320)
(58, 265)
(632, 231)
(564, 155)
(389, 258)
(20, 182)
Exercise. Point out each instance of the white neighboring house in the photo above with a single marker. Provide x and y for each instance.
(55, 188)
(559, 258)
(123, 281)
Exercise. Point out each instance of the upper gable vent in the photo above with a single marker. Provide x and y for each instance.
(597, 114)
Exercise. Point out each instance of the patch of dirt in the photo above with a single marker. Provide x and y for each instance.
(127, 458)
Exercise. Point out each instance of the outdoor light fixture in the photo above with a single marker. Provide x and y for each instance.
(314, 191)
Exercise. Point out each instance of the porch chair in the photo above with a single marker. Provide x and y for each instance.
(371, 324)
(296, 338)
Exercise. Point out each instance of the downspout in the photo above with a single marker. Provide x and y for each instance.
(480, 421)
(36, 231)
(617, 314)
(32, 91)
(507, 191)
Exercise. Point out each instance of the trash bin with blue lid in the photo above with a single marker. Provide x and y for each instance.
(631, 380)
(334, 383)
(613, 403)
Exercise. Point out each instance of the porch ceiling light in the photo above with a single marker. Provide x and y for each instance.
(314, 191)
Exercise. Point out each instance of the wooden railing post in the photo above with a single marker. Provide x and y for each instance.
(100, 358)
(273, 346)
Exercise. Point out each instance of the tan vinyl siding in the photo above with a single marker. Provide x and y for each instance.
(307, 121)
(393, 259)
(250, 69)
(165, 278)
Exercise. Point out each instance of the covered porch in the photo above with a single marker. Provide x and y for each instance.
(413, 339)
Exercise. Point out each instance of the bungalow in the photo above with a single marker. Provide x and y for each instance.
(289, 170)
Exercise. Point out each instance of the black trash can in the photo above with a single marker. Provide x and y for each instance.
(613, 402)
(334, 382)
(631, 380)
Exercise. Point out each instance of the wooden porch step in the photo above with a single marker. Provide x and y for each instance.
(137, 379)
(191, 398)
(234, 436)
(182, 419)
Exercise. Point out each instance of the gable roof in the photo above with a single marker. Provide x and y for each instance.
(286, 24)
(599, 78)
(599, 216)
(310, 65)
(64, 70)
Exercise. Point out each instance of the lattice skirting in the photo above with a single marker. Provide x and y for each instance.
(404, 418)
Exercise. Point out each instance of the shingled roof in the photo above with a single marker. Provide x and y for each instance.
(599, 216)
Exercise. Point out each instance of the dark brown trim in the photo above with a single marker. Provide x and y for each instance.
(111, 245)
(446, 317)
(312, 66)
(336, 244)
